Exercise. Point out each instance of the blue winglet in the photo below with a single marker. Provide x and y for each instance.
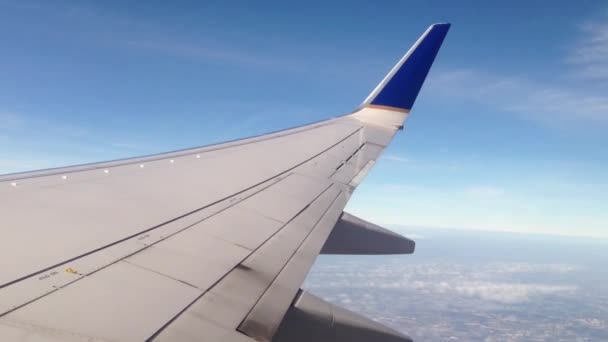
(401, 86)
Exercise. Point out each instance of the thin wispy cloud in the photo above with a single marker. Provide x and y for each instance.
(209, 52)
(396, 158)
(21, 5)
(593, 323)
(11, 121)
(126, 145)
(21, 150)
(415, 236)
(553, 102)
(293, 60)
(539, 101)
(590, 54)
(14, 124)
(524, 267)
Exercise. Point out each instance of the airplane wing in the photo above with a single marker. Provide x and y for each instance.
(204, 244)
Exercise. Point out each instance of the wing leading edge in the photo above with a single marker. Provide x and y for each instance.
(186, 246)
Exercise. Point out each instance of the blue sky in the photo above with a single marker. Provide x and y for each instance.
(509, 132)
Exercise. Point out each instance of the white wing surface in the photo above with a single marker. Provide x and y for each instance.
(204, 244)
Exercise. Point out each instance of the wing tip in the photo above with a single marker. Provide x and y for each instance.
(400, 88)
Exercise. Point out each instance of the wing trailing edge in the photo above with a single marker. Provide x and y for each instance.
(313, 319)
(352, 235)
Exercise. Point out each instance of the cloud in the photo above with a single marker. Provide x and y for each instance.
(11, 121)
(395, 158)
(398, 189)
(437, 299)
(415, 236)
(12, 165)
(126, 145)
(563, 99)
(593, 323)
(543, 102)
(185, 50)
(15, 124)
(590, 54)
(506, 293)
(20, 5)
(64, 143)
(344, 298)
(497, 282)
(531, 268)
(214, 53)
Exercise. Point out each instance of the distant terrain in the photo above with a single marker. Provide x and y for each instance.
(477, 286)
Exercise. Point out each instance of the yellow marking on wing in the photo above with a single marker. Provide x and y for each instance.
(394, 109)
(71, 270)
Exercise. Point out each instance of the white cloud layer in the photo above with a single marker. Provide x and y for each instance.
(507, 293)
(395, 158)
(523, 267)
(495, 282)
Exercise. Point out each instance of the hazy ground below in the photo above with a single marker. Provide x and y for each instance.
(477, 286)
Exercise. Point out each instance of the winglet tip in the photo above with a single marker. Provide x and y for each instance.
(400, 87)
(444, 25)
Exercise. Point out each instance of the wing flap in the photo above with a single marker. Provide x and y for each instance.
(34, 286)
(352, 235)
(192, 328)
(232, 299)
(190, 257)
(312, 319)
(265, 317)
